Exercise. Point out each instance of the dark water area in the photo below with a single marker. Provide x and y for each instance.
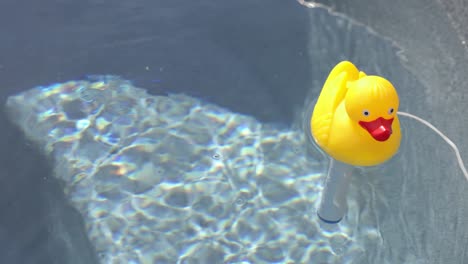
(214, 51)
(211, 50)
(36, 225)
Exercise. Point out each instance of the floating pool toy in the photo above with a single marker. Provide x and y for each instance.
(355, 122)
(355, 118)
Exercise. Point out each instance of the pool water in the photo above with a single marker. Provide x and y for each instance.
(162, 175)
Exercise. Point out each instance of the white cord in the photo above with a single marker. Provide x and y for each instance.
(451, 144)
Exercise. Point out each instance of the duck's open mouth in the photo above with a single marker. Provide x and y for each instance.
(380, 129)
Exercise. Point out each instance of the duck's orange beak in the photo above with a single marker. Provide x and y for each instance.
(380, 129)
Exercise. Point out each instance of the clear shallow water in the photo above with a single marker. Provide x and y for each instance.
(401, 207)
(172, 179)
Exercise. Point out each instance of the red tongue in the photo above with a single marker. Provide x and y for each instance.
(380, 129)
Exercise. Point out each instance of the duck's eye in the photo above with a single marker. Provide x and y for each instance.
(365, 112)
(391, 110)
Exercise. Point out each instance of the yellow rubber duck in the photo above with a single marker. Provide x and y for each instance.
(355, 118)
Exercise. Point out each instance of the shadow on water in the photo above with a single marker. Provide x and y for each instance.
(36, 225)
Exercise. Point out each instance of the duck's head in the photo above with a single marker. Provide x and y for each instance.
(372, 102)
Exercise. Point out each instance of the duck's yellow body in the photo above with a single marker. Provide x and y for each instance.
(355, 118)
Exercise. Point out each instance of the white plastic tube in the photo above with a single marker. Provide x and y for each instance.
(461, 164)
(333, 205)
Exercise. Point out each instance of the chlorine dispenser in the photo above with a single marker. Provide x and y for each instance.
(355, 122)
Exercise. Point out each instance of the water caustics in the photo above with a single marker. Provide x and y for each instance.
(162, 179)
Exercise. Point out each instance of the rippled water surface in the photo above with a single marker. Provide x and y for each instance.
(162, 179)
(194, 150)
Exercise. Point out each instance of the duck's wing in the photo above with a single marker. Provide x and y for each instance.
(333, 92)
(344, 66)
(334, 89)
